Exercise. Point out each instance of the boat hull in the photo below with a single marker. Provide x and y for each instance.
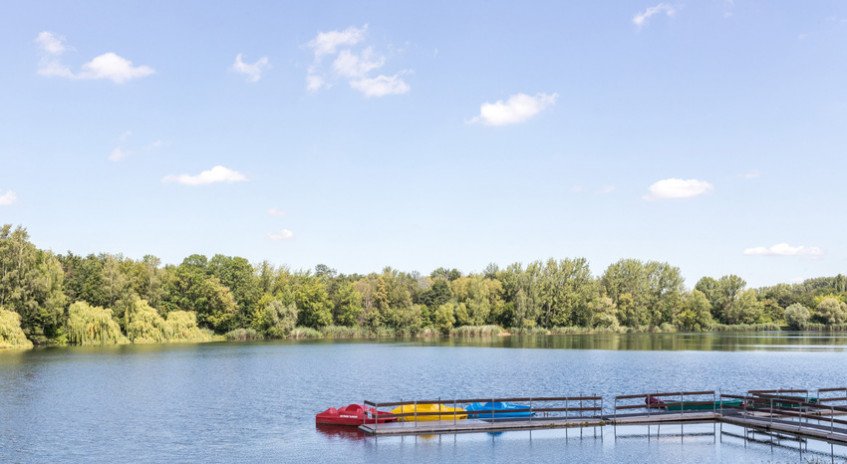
(353, 415)
(450, 413)
(498, 410)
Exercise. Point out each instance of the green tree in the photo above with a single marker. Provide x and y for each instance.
(744, 309)
(348, 305)
(313, 302)
(31, 285)
(273, 318)
(144, 324)
(646, 293)
(188, 288)
(797, 316)
(604, 313)
(479, 298)
(831, 311)
(445, 318)
(695, 313)
(238, 275)
(11, 334)
(92, 325)
(437, 294)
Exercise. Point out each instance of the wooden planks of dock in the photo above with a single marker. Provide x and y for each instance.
(477, 425)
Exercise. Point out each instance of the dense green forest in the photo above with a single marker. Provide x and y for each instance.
(96, 299)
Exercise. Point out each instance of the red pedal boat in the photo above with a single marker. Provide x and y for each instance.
(352, 414)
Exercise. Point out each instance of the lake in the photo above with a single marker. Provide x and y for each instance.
(256, 402)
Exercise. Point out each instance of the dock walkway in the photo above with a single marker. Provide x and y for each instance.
(767, 411)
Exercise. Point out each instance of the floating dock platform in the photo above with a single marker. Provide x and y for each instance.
(792, 413)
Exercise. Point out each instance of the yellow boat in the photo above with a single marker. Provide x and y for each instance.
(429, 408)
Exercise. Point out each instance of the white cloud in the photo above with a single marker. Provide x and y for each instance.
(8, 198)
(641, 19)
(253, 72)
(784, 249)
(327, 43)
(283, 234)
(518, 108)
(678, 188)
(753, 174)
(50, 43)
(351, 63)
(109, 66)
(276, 212)
(113, 67)
(218, 174)
(381, 85)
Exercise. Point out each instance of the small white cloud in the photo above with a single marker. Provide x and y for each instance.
(118, 154)
(381, 85)
(283, 234)
(109, 66)
(784, 249)
(276, 212)
(252, 71)
(678, 188)
(218, 174)
(8, 198)
(518, 108)
(641, 19)
(752, 174)
(354, 65)
(326, 43)
(50, 43)
(113, 67)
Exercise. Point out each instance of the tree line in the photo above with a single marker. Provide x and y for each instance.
(105, 298)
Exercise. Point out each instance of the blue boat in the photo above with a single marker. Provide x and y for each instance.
(503, 410)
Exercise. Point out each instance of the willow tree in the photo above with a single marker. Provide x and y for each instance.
(31, 284)
(11, 334)
(93, 325)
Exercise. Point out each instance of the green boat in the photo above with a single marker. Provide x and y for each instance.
(656, 403)
(703, 405)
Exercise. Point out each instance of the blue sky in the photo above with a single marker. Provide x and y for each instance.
(708, 134)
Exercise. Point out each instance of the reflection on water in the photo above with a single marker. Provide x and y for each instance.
(717, 341)
(340, 431)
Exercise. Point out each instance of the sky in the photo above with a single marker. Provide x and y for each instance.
(709, 134)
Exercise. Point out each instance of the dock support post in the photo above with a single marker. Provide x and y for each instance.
(530, 409)
(580, 416)
(615, 419)
(454, 410)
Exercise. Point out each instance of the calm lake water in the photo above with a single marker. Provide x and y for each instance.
(256, 402)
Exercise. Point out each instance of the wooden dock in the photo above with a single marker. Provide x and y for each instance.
(777, 413)
(478, 425)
